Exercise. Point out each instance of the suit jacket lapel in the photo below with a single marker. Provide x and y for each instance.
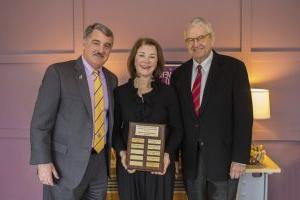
(214, 75)
(109, 88)
(109, 84)
(81, 80)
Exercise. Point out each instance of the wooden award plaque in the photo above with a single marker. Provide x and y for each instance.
(146, 147)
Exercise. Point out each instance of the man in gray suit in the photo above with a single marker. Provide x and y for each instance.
(63, 138)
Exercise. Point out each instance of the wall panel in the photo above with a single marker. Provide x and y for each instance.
(19, 86)
(165, 20)
(263, 33)
(36, 26)
(282, 79)
(284, 185)
(275, 25)
(18, 178)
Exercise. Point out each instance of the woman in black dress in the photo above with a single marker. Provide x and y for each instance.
(145, 99)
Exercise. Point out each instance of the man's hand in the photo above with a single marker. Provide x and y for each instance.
(236, 170)
(123, 160)
(166, 165)
(46, 173)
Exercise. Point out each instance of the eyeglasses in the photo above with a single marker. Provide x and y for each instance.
(200, 38)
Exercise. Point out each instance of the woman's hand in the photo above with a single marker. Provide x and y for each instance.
(123, 161)
(166, 165)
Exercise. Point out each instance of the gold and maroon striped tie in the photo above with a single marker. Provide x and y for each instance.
(197, 90)
(99, 113)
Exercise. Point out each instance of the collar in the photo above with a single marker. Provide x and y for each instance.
(205, 64)
(88, 68)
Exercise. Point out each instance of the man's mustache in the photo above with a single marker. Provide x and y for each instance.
(98, 54)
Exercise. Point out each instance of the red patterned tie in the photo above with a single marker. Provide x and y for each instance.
(197, 90)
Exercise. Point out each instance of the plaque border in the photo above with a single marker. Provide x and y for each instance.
(161, 136)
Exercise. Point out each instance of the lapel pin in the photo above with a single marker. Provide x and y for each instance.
(80, 77)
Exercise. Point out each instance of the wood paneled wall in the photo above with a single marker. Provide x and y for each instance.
(263, 33)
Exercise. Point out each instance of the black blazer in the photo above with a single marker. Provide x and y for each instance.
(224, 127)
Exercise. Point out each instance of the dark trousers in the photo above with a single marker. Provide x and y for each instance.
(92, 186)
(202, 188)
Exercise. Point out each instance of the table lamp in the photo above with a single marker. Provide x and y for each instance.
(261, 110)
(260, 103)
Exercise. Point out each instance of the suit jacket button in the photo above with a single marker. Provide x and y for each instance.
(196, 125)
(201, 144)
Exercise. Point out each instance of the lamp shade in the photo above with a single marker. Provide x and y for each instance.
(261, 103)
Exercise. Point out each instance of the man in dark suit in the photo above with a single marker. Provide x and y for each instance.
(216, 108)
(69, 144)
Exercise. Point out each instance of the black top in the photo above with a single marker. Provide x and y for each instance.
(160, 105)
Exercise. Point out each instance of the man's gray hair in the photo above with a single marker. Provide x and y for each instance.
(99, 27)
(199, 21)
